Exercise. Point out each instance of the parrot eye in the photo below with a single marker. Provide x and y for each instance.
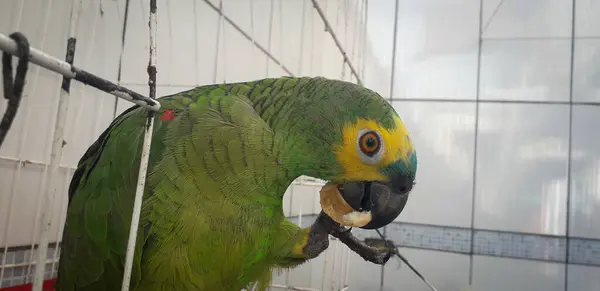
(370, 145)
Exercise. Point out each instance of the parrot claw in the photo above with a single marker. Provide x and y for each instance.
(378, 256)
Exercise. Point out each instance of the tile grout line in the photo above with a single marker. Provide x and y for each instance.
(570, 148)
(475, 146)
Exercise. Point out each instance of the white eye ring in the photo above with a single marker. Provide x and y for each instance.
(370, 146)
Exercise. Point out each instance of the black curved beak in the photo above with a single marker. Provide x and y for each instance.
(384, 199)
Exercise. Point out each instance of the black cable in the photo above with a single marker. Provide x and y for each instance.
(13, 89)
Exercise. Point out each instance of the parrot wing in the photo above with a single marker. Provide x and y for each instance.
(100, 205)
(102, 189)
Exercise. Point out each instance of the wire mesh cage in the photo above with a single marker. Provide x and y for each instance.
(191, 43)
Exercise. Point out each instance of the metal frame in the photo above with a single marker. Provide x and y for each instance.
(71, 72)
(141, 180)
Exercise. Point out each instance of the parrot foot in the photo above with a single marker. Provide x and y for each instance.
(378, 256)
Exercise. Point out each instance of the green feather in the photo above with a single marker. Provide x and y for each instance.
(212, 214)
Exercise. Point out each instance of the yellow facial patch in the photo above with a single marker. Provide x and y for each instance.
(396, 146)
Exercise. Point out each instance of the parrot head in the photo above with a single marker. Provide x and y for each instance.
(359, 144)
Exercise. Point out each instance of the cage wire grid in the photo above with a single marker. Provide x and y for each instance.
(346, 42)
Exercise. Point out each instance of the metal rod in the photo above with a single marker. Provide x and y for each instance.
(300, 59)
(27, 264)
(337, 42)
(364, 19)
(224, 47)
(287, 272)
(121, 53)
(334, 265)
(59, 230)
(570, 149)
(394, 48)
(30, 162)
(218, 45)
(53, 64)
(271, 13)
(56, 152)
(355, 28)
(141, 182)
(475, 144)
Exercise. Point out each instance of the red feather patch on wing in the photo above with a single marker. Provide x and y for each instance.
(168, 115)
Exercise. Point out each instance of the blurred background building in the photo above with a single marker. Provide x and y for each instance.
(501, 98)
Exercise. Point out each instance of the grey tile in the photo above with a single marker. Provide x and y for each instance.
(19, 271)
(8, 272)
(521, 246)
(6, 283)
(584, 251)
(18, 281)
(50, 253)
(430, 237)
(48, 267)
(10, 258)
(20, 257)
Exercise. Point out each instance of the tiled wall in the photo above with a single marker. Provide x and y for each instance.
(19, 270)
(486, 242)
(428, 246)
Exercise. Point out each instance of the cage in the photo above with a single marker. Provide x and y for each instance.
(501, 97)
(252, 40)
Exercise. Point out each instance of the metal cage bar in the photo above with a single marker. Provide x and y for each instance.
(53, 64)
(56, 152)
(141, 183)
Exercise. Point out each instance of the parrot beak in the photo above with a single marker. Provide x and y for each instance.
(381, 200)
(368, 204)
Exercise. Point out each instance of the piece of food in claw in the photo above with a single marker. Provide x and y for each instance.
(334, 205)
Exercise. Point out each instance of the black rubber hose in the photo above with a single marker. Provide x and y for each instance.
(13, 89)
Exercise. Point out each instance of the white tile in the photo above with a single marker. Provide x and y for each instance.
(178, 30)
(522, 19)
(586, 20)
(522, 168)
(443, 135)
(585, 173)
(446, 271)
(583, 278)
(26, 190)
(436, 54)
(586, 70)
(303, 200)
(363, 275)
(535, 70)
(135, 51)
(380, 42)
(500, 274)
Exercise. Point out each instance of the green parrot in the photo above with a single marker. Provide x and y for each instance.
(222, 157)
